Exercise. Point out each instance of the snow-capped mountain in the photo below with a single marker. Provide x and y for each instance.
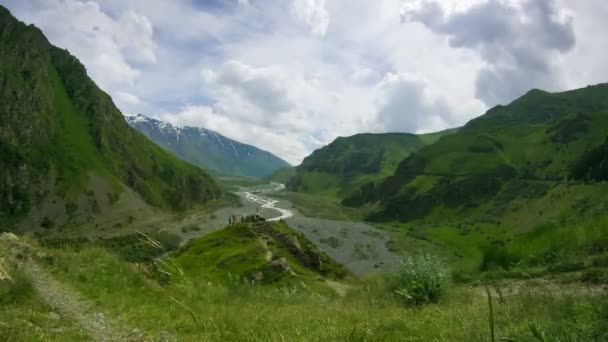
(208, 149)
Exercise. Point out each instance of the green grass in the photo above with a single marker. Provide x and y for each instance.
(193, 310)
(25, 317)
(239, 253)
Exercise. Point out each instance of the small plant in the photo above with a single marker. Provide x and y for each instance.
(420, 279)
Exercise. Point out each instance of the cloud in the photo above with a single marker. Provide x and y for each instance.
(109, 47)
(518, 41)
(262, 87)
(291, 113)
(290, 76)
(127, 100)
(313, 14)
(406, 105)
(273, 108)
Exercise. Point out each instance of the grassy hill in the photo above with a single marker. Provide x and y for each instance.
(528, 174)
(261, 252)
(93, 287)
(349, 162)
(66, 150)
(506, 146)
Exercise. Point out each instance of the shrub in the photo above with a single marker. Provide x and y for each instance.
(420, 279)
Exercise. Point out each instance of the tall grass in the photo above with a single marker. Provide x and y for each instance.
(245, 312)
(19, 290)
(420, 279)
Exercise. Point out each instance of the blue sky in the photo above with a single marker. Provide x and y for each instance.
(291, 75)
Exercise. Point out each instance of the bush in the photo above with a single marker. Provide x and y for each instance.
(420, 279)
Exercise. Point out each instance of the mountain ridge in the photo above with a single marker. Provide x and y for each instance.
(208, 149)
(540, 137)
(352, 161)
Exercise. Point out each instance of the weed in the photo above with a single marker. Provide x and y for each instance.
(420, 279)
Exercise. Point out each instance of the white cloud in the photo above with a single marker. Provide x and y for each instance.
(519, 41)
(107, 46)
(405, 104)
(290, 76)
(313, 14)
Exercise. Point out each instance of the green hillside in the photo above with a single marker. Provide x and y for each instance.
(262, 252)
(520, 189)
(66, 150)
(350, 162)
(495, 152)
(283, 175)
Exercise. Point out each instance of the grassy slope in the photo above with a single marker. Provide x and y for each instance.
(241, 252)
(480, 194)
(353, 161)
(60, 127)
(329, 174)
(193, 310)
(283, 175)
(504, 144)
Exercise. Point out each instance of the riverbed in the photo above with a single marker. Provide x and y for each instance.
(359, 246)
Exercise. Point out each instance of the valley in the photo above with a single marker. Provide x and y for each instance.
(118, 227)
(361, 247)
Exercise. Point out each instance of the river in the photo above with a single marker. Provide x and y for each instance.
(359, 246)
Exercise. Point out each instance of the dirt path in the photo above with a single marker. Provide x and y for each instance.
(67, 302)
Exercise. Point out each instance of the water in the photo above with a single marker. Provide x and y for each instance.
(359, 246)
(269, 203)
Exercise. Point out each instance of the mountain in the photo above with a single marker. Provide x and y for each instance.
(208, 149)
(514, 154)
(350, 162)
(66, 150)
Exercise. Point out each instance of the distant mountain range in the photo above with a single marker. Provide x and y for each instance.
(209, 149)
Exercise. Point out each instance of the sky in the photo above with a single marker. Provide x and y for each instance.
(290, 76)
